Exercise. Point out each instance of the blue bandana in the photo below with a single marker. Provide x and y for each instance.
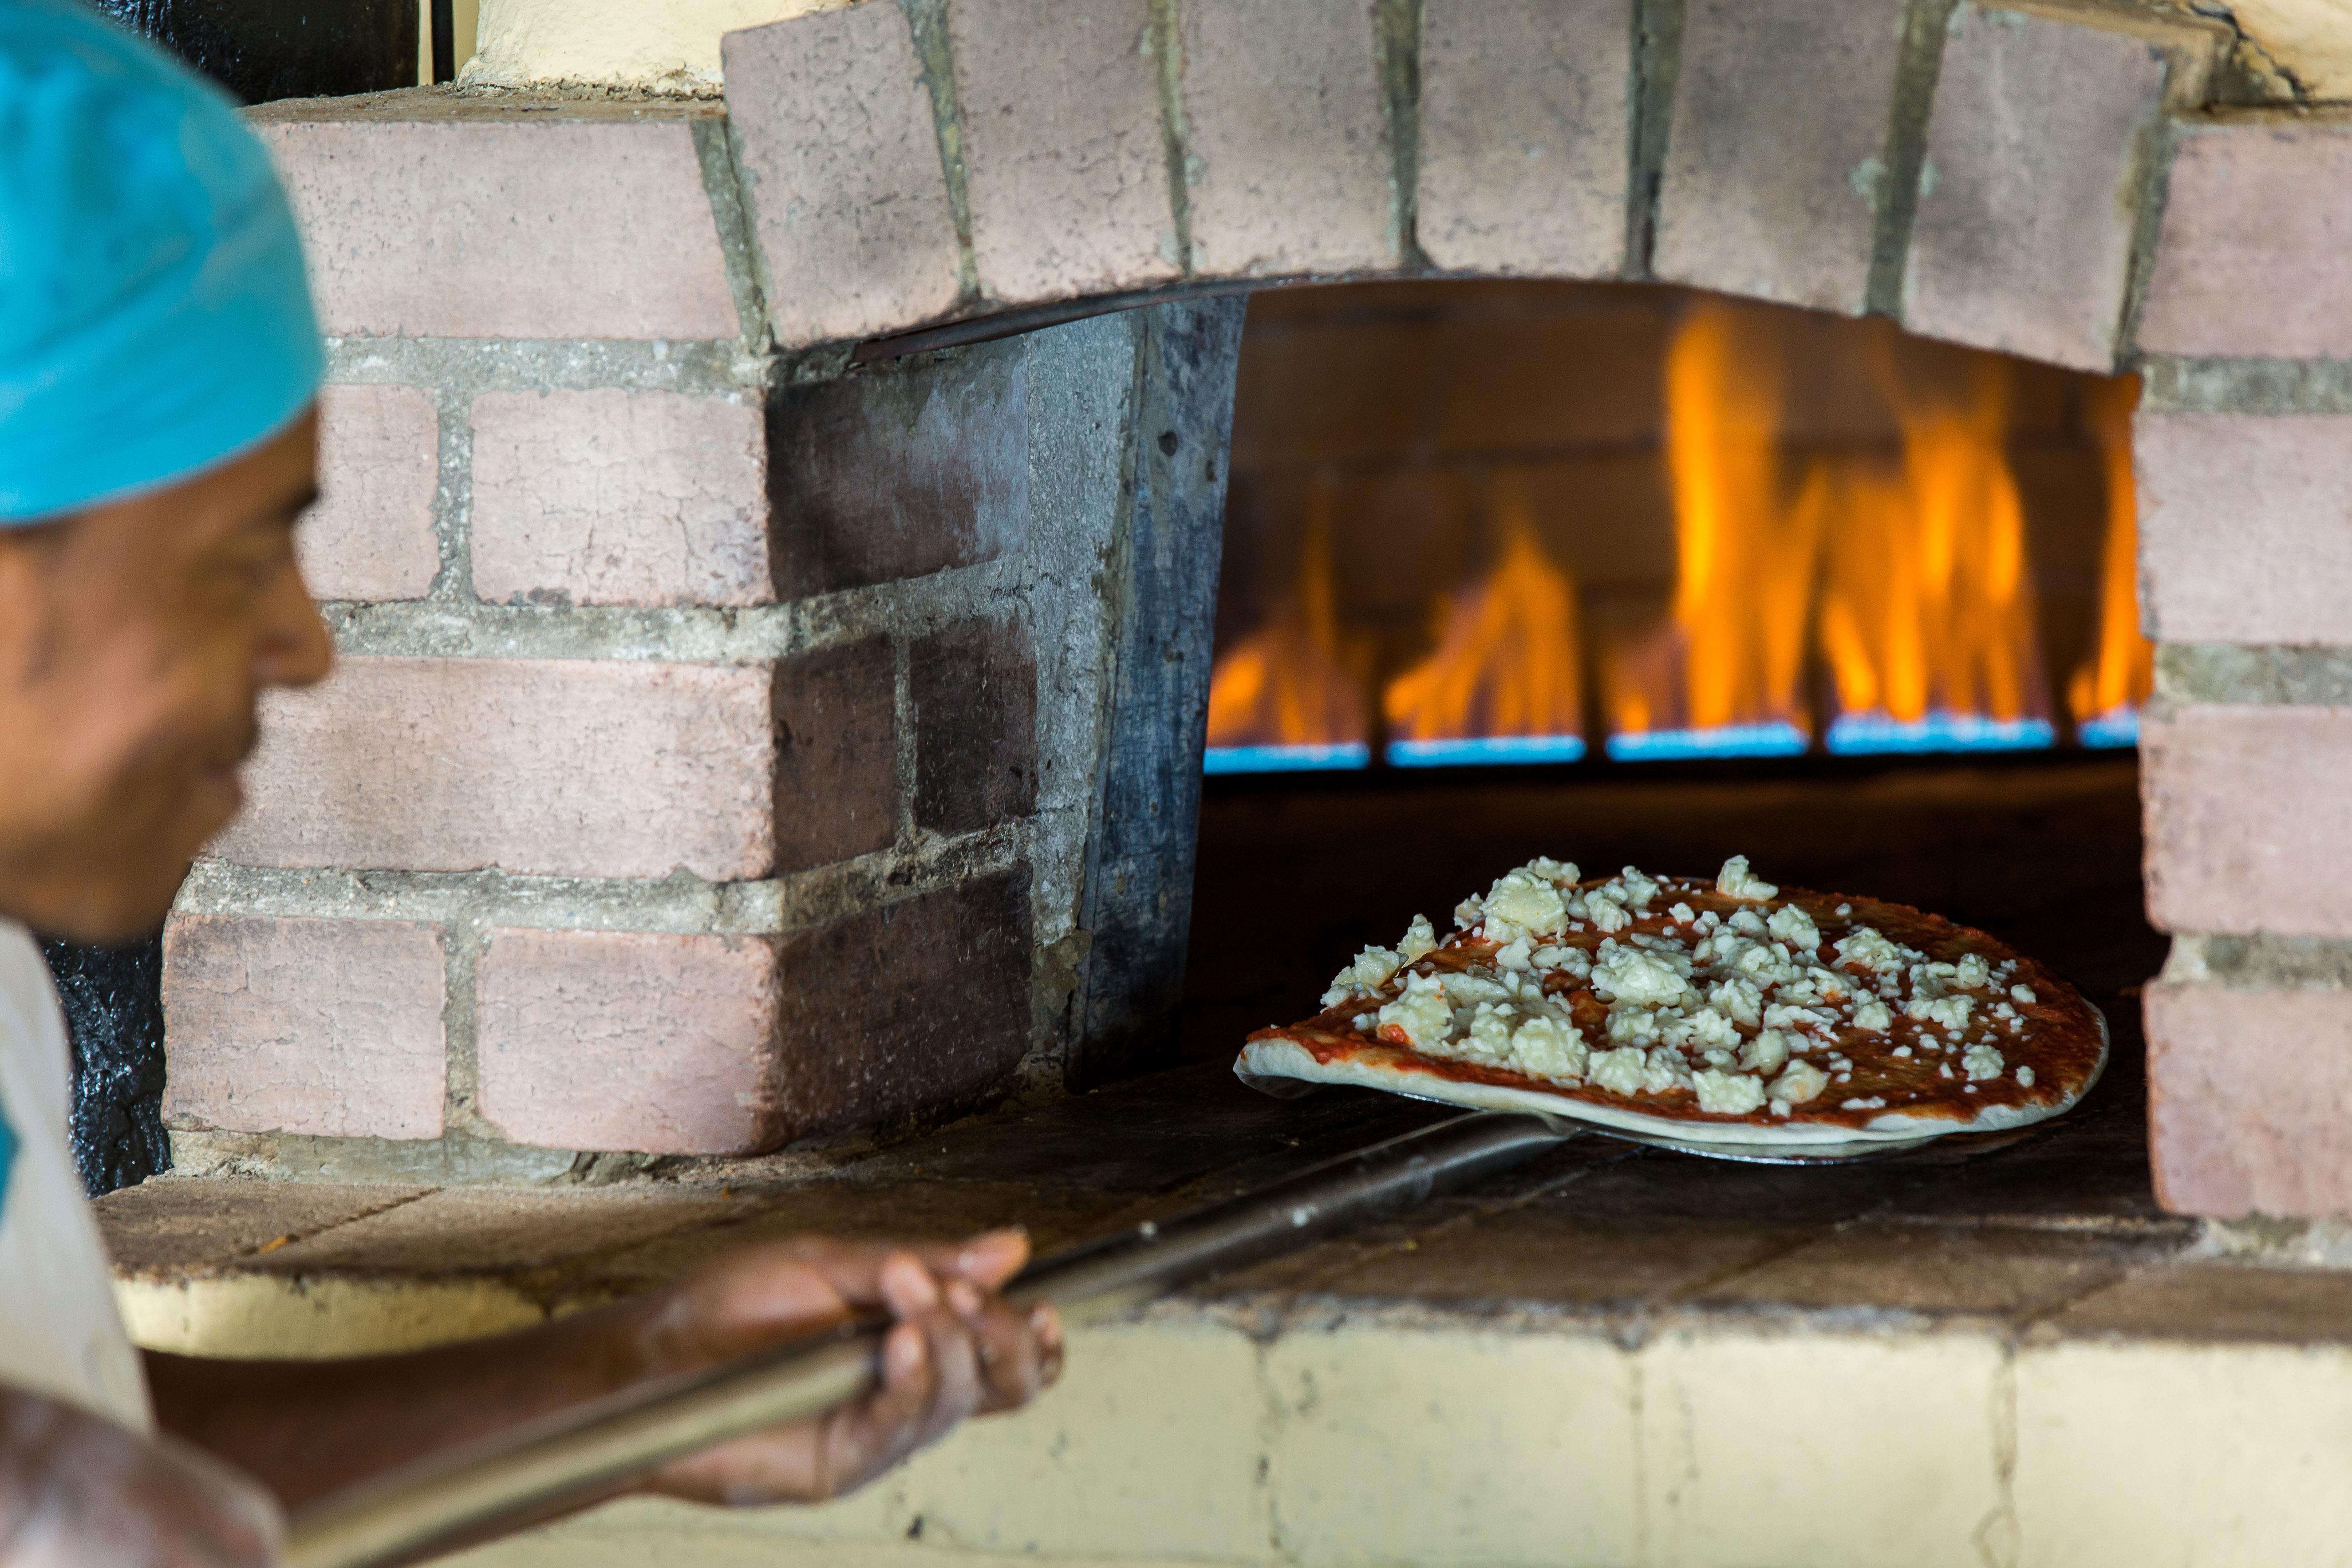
(154, 319)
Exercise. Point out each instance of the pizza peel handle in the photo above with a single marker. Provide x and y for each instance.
(543, 1468)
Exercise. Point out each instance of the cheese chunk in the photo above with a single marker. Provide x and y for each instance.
(1727, 1093)
(1802, 1082)
(1737, 881)
(1421, 1014)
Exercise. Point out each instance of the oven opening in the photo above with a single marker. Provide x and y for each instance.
(1638, 575)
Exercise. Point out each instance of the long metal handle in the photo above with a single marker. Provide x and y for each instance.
(538, 1469)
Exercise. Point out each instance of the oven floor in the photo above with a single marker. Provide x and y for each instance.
(1614, 1356)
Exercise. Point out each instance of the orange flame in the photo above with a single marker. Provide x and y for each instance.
(2120, 672)
(1505, 660)
(1287, 683)
(1736, 651)
(1908, 578)
(1926, 606)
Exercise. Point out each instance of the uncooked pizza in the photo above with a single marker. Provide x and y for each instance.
(1729, 1010)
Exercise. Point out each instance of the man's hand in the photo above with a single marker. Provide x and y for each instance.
(77, 1492)
(958, 1350)
(307, 1428)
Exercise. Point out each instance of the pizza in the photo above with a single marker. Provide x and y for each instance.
(1727, 1011)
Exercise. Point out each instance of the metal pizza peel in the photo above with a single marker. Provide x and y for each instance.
(541, 1469)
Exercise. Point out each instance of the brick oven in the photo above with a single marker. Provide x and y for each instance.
(774, 545)
(694, 653)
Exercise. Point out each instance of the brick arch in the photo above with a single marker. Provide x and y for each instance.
(1993, 177)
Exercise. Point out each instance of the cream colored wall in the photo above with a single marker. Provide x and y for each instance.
(664, 45)
(672, 45)
(463, 16)
(2312, 39)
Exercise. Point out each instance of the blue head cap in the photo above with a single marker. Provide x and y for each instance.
(154, 318)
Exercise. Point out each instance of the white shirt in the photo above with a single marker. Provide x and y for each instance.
(59, 1331)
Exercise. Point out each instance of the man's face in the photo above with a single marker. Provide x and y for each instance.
(135, 642)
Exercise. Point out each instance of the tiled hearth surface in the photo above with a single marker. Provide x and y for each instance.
(1613, 1356)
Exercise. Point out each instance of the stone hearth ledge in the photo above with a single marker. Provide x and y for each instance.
(1612, 1357)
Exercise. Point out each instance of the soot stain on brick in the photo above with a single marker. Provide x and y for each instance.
(113, 1003)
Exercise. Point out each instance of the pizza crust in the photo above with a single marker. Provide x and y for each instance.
(1287, 1059)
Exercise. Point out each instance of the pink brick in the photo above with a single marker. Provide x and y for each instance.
(568, 767)
(2250, 256)
(370, 536)
(841, 159)
(1523, 128)
(1290, 168)
(1067, 166)
(625, 1040)
(318, 1027)
(2248, 1099)
(2034, 147)
(2249, 820)
(1777, 148)
(2245, 527)
(619, 498)
(537, 224)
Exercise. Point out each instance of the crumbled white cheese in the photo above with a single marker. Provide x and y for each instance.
(1605, 912)
(1682, 914)
(1629, 975)
(1465, 986)
(1951, 1012)
(1526, 901)
(1867, 947)
(1558, 873)
(1780, 1108)
(1766, 963)
(1366, 1022)
(1737, 881)
(1727, 1093)
(1943, 1069)
(1547, 1047)
(1982, 1062)
(1971, 973)
(1710, 1026)
(1802, 1081)
(1368, 974)
(1748, 922)
(1665, 1070)
(1488, 1038)
(1795, 927)
(2025, 1078)
(1874, 1103)
(2021, 993)
(1469, 911)
(1740, 999)
(1900, 1051)
(1785, 1016)
(1572, 961)
(1515, 955)
(1620, 1072)
(1635, 890)
(1844, 910)
(1633, 1025)
(1421, 1012)
(1767, 1053)
(1420, 940)
(1873, 1014)
(1829, 985)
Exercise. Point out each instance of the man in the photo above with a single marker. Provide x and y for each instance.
(159, 363)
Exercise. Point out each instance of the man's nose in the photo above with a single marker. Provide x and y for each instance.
(295, 648)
